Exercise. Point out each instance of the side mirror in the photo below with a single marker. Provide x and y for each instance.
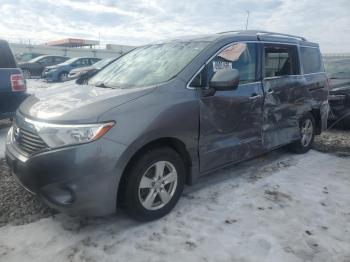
(225, 80)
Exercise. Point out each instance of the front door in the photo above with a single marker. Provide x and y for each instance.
(231, 121)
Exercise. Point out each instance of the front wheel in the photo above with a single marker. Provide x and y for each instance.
(62, 77)
(154, 184)
(307, 135)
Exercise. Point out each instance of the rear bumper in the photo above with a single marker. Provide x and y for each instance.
(80, 180)
(9, 103)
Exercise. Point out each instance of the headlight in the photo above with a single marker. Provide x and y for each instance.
(63, 135)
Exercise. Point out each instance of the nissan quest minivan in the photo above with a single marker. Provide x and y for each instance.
(163, 115)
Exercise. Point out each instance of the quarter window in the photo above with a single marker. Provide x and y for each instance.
(311, 60)
(281, 61)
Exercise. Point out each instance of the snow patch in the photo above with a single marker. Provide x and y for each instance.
(279, 207)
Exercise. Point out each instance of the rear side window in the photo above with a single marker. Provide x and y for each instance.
(281, 60)
(311, 60)
(6, 57)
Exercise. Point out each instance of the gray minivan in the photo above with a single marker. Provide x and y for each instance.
(163, 115)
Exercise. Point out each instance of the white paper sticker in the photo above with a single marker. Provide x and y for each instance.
(220, 65)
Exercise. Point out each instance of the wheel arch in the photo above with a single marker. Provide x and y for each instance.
(174, 143)
(316, 113)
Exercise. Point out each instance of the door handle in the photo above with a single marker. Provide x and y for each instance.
(255, 96)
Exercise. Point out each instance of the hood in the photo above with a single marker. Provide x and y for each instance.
(78, 104)
(25, 64)
(81, 69)
(52, 67)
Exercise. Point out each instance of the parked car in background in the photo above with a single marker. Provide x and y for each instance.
(36, 66)
(60, 72)
(12, 83)
(89, 70)
(165, 114)
(25, 57)
(338, 70)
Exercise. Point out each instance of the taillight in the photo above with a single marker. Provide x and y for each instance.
(18, 83)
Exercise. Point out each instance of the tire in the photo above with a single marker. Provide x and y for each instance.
(307, 135)
(26, 74)
(151, 199)
(63, 76)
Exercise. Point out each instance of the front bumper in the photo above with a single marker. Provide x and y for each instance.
(49, 75)
(79, 180)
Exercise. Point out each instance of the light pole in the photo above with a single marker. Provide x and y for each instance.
(246, 25)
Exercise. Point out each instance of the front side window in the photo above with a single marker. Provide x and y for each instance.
(240, 56)
(58, 59)
(148, 65)
(337, 68)
(311, 60)
(281, 60)
(46, 60)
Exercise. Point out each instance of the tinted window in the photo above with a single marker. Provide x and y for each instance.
(6, 58)
(337, 68)
(281, 60)
(94, 60)
(46, 60)
(240, 56)
(58, 59)
(311, 60)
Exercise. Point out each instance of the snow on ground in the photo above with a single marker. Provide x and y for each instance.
(36, 85)
(279, 207)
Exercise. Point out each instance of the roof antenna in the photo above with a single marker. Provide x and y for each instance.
(246, 25)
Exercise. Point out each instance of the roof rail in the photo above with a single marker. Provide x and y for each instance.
(279, 34)
(225, 32)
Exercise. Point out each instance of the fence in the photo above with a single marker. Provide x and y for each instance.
(113, 51)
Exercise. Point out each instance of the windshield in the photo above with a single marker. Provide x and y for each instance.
(69, 61)
(338, 68)
(36, 59)
(103, 62)
(148, 65)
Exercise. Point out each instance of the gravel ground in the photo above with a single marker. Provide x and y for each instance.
(17, 206)
(334, 141)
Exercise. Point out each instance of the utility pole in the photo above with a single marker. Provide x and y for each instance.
(246, 25)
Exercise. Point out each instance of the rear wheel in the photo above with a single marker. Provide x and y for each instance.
(154, 184)
(307, 135)
(26, 73)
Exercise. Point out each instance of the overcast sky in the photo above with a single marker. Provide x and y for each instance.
(136, 22)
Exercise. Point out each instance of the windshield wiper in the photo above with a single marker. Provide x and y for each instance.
(102, 85)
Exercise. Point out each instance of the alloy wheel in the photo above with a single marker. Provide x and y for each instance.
(307, 131)
(158, 185)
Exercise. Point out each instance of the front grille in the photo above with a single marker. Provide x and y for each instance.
(28, 141)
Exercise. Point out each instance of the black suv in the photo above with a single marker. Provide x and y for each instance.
(338, 70)
(36, 66)
(12, 83)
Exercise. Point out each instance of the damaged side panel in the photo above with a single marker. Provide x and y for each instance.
(286, 98)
